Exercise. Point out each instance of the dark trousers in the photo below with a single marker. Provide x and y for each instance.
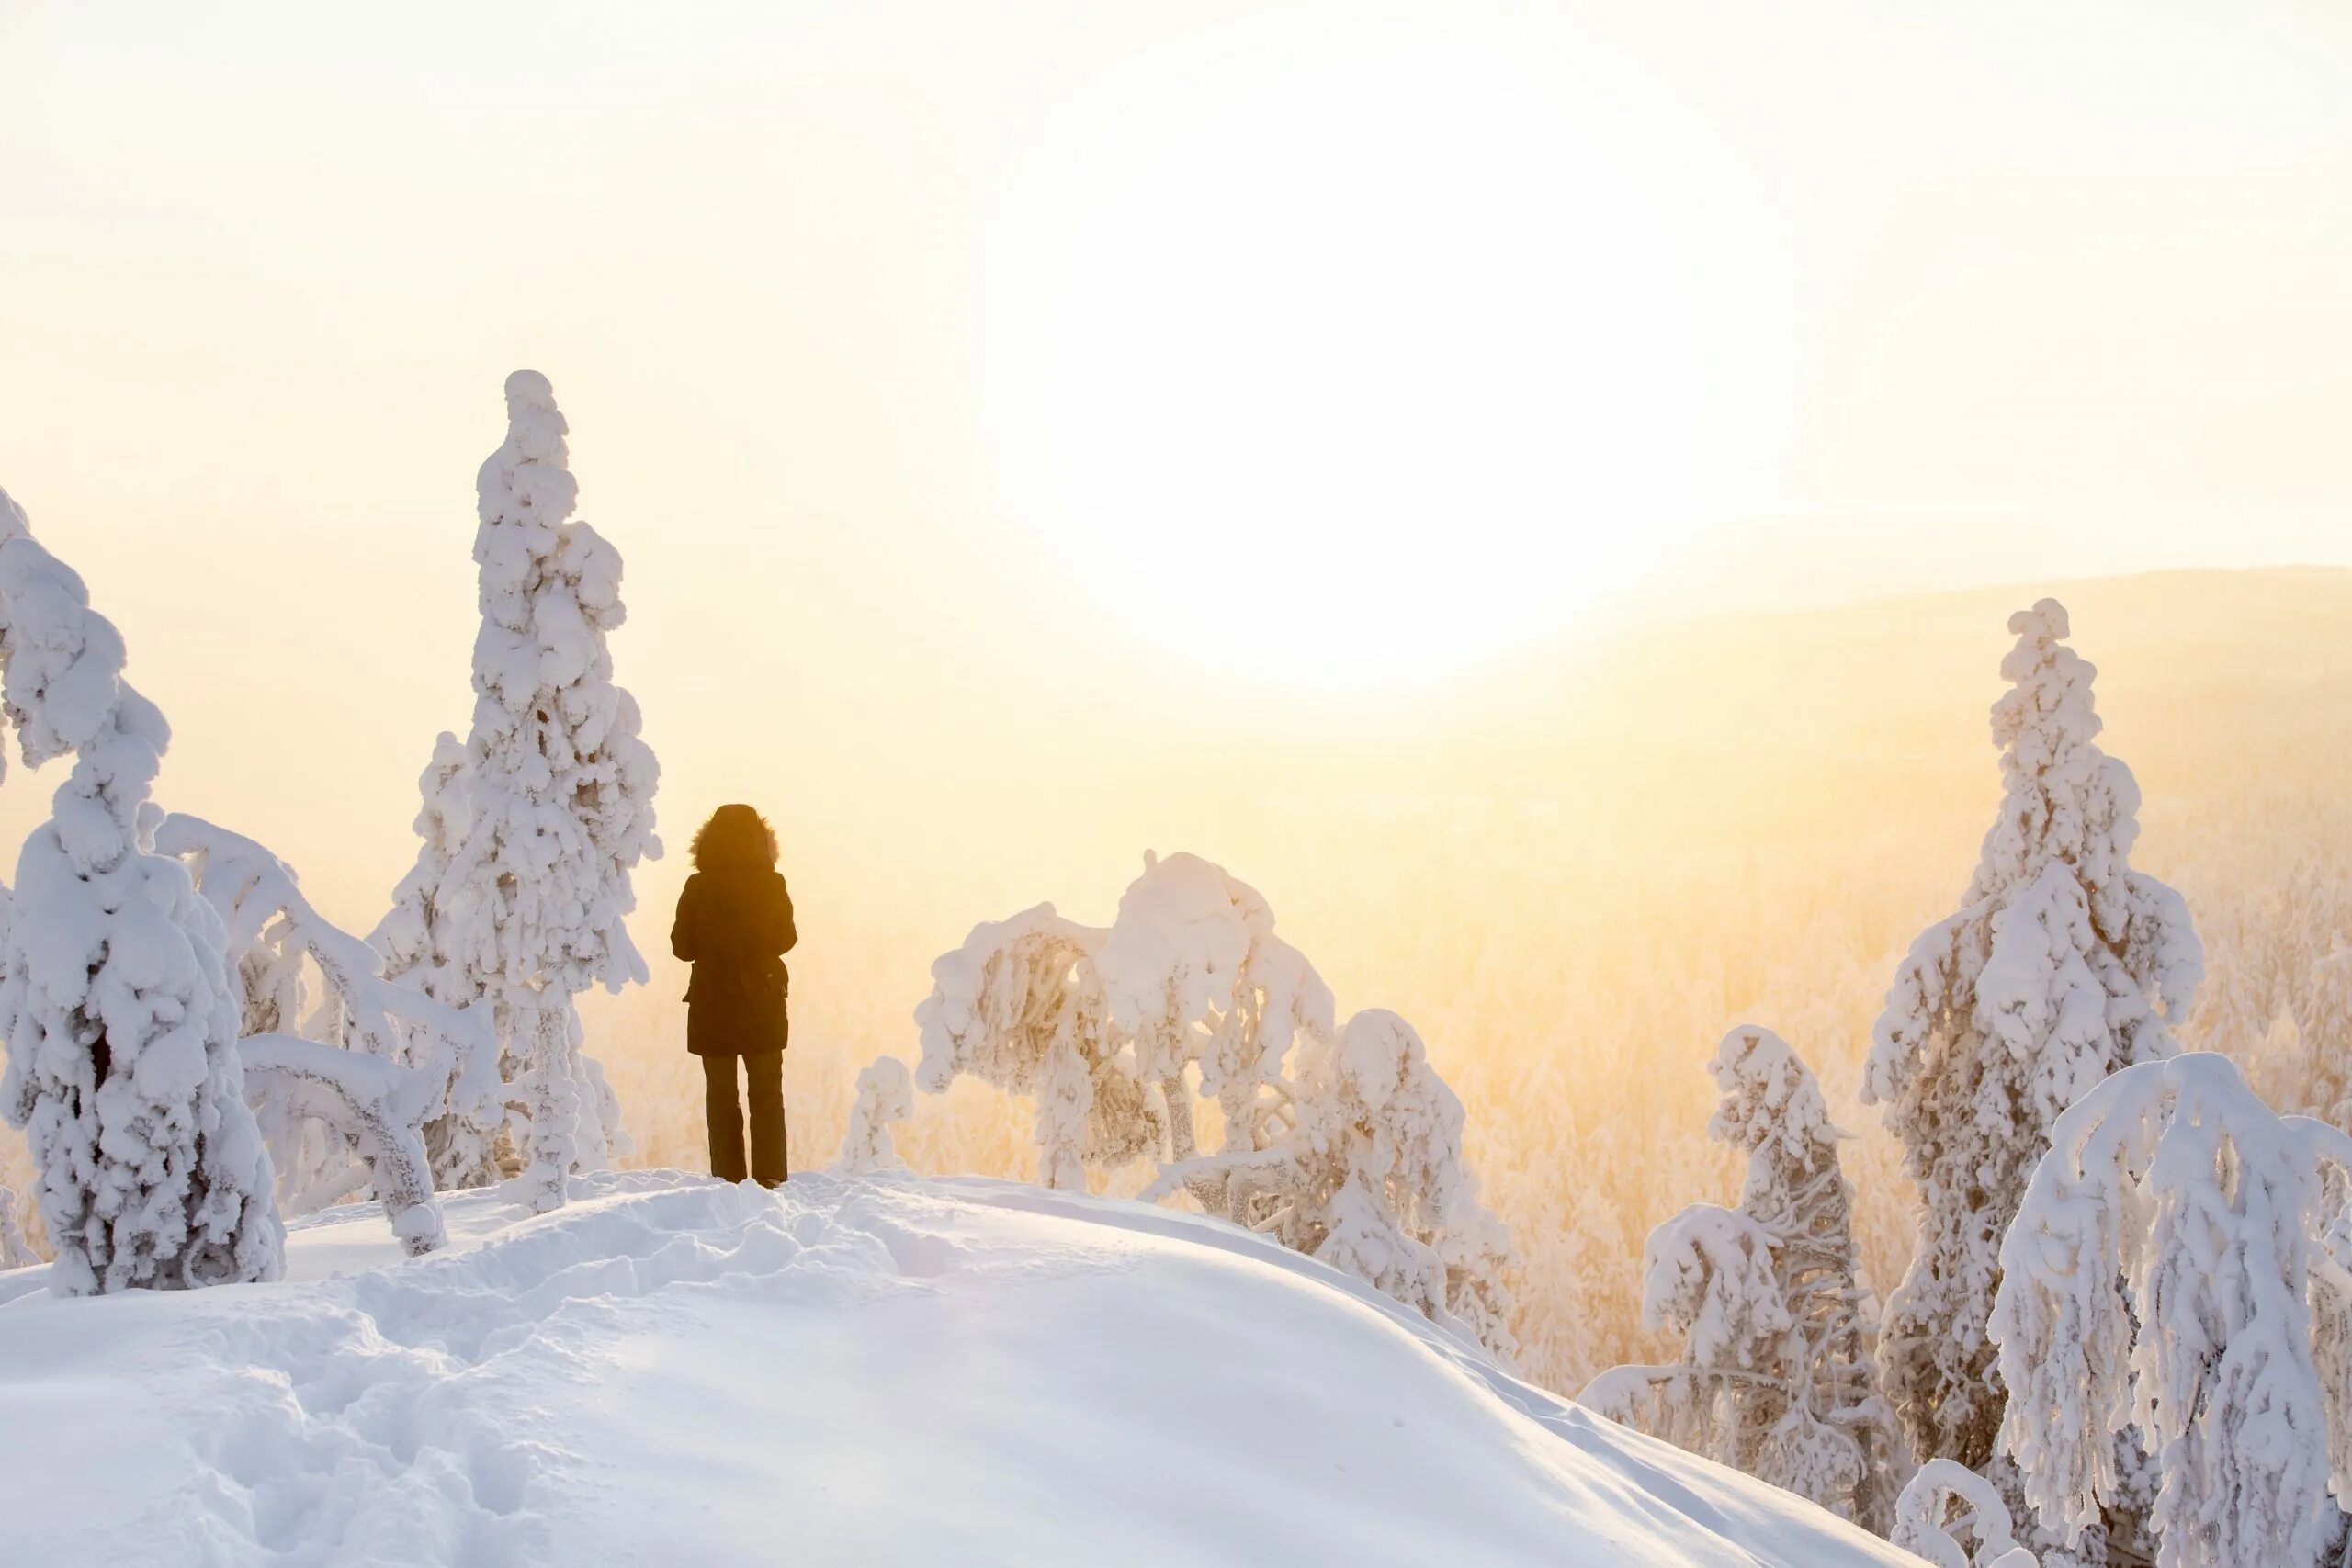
(765, 1069)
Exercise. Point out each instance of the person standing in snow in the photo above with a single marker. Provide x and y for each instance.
(734, 926)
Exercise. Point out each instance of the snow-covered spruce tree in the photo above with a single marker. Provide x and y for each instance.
(1776, 1376)
(2061, 965)
(2175, 1268)
(555, 790)
(119, 1012)
(884, 1098)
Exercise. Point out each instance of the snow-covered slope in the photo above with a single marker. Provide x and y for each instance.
(880, 1371)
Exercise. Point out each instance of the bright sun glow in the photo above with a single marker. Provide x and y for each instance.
(1353, 364)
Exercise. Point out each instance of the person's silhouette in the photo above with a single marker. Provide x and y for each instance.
(734, 926)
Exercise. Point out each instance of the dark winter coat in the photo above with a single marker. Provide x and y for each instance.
(734, 926)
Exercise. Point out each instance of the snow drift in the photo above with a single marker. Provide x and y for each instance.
(874, 1371)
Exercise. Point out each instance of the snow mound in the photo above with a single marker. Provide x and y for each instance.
(873, 1370)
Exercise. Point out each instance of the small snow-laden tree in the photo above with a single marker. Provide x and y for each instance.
(16, 1252)
(1194, 975)
(884, 1098)
(557, 790)
(1019, 1006)
(1945, 1495)
(2062, 965)
(1370, 1179)
(272, 931)
(1776, 1376)
(1707, 1274)
(2170, 1269)
(119, 1010)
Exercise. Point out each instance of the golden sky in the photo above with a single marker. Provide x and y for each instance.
(990, 394)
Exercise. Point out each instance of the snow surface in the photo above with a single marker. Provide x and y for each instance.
(878, 1371)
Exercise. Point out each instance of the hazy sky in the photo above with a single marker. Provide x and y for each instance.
(954, 373)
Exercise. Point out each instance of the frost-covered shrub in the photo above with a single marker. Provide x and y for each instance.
(886, 1096)
(274, 939)
(523, 879)
(16, 1252)
(1944, 1496)
(1776, 1375)
(2178, 1266)
(1346, 1146)
(1370, 1179)
(118, 1010)
(2061, 965)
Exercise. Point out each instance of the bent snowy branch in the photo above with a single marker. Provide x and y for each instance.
(378, 1106)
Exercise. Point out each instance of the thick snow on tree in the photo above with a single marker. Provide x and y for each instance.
(2061, 965)
(1346, 1145)
(1194, 975)
(1945, 1495)
(523, 882)
(1370, 1177)
(412, 940)
(1776, 1375)
(2170, 1269)
(119, 1012)
(16, 1252)
(272, 931)
(886, 1096)
(1019, 1006)
(409, 937)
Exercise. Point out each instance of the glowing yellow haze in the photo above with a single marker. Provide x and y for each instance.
(1037, 432)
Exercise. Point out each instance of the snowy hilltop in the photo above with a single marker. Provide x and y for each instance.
(877, 1370)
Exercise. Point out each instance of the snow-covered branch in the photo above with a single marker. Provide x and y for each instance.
(272, 929)
(1924, 1519)
(377, 1106)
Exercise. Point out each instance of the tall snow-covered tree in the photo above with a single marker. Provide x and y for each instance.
(523, 882)
(118, 1009)
(2177, 1266)
(2061, 966)
(1776, 1376)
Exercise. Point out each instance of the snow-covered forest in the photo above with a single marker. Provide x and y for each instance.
(2010, 1227)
